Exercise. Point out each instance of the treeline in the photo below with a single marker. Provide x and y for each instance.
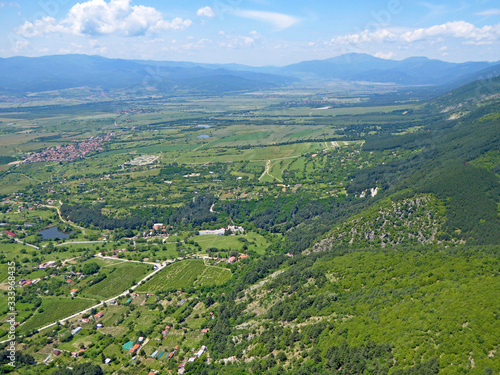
(6, 159)
(20, 359)
(92, 216)
(302, 220)
(174, 169)
(193, 213)
(81, 369)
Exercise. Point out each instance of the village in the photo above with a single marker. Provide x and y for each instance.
(77, 150)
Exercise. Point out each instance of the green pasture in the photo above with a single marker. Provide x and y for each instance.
(254, 242)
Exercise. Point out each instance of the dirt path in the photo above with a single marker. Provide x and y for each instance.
(62, 219)
(266, 171)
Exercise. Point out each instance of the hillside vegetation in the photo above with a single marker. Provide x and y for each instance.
(412, 221)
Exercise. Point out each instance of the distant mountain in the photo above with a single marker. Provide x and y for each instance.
(35, 74)
(363, 67)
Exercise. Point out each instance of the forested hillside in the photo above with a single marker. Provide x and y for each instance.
(447, 167)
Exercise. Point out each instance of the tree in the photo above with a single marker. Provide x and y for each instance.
(66, 336)
(87, 369)
(90, 268)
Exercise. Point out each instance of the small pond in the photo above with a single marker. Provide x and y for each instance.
(203, 126)
(53, 232)
(203, 136)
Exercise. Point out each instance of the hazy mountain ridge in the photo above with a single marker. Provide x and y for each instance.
(24, 74)
(410, 71)
(34, 74)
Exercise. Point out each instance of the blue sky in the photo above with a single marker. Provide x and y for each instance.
(252, 32)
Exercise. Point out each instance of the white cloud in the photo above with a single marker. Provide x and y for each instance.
(42, 26)
(4, 4)
(382, 35)
(456, 29)
(383, 55)
(239, 41)
(21, 45)
(206, 12)
(489, 12)
(279, 20)
(97, 17)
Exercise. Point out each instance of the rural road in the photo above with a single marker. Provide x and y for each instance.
(79, 242)
(126, 260)
(160, 267)
(26, 244)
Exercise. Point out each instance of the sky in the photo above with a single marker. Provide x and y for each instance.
(252, 32)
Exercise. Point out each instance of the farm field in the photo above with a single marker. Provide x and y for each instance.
(185, 274)
(119, 277)
(55, 308)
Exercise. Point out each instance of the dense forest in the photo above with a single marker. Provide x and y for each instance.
(193, 213)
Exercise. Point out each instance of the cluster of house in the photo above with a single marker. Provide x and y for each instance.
(222, 231)
(70, 152)
(230, 260)
(48, 264)
(69, 278)
(28, 282)
(233, 259)
(198, 354)
(158, 229)
(136, 345)
(97, 316)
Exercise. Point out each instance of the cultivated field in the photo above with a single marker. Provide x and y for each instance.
(185, 274)
(119, 277)
(53, 309)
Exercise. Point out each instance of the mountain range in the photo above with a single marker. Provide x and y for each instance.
(35, 74)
